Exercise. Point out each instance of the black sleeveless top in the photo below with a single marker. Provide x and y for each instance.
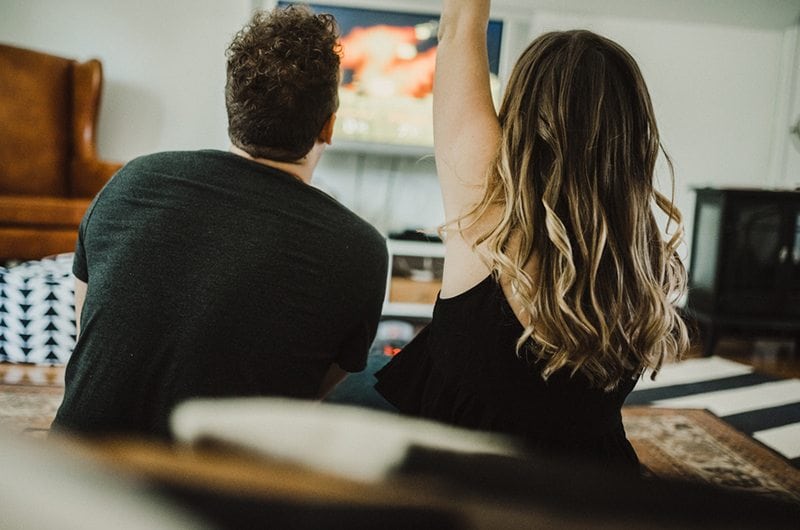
(463, 369)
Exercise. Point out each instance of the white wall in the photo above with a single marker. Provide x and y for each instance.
(724, 93)
(786, 159)
(713, 89)
(163, 61)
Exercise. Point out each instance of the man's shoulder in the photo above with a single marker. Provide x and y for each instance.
(348, 234)
(355, 229)
(170, 158)
(371, 240)
(142, 170)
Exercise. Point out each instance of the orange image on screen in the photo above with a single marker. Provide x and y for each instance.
(383, 61)
(387, 84)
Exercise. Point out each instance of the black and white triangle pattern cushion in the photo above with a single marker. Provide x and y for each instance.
(37, 312)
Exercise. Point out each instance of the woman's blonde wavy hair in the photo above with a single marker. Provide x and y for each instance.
(574, 181)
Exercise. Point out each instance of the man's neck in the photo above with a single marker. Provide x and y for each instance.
(303, 169)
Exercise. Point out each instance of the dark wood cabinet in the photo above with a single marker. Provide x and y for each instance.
(745, 262)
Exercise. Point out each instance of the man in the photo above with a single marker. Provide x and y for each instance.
(216, 273)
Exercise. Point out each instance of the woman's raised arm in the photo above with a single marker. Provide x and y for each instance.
(466, 131)
(465, 124)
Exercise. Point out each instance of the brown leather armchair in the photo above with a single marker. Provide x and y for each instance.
(49, 170)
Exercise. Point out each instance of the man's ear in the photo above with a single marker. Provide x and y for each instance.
(326, 134)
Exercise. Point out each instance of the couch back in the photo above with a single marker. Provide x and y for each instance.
(48, 111)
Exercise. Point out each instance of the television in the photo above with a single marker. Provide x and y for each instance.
(386, 89)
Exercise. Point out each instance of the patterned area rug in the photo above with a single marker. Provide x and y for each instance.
(695, 445)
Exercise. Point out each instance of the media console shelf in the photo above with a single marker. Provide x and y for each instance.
(415, 278)
(745, 263)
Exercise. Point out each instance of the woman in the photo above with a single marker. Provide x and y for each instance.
(558, 287)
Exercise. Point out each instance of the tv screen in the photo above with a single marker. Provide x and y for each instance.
(388, 60)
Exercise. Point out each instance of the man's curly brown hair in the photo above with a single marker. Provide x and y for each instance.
(282, 86)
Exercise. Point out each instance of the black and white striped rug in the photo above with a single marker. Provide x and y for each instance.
(764, 407)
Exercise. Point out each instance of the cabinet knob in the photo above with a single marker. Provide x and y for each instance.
(783, 254)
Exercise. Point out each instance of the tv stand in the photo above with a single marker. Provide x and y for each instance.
(745, 264)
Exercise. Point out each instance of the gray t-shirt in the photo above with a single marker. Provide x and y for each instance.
(212, 275)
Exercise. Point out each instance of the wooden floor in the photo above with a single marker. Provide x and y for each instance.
(771, 356)
(31, 375)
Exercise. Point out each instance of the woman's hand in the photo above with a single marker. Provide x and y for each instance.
(470, 12)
